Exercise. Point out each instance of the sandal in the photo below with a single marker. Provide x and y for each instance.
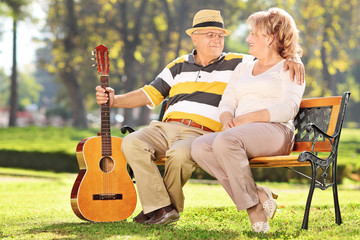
(261, 227)
(269, 205)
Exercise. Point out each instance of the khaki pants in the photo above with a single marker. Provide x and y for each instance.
(225, 156)
(171, 140)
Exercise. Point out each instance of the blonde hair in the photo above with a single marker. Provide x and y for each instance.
(279, 24)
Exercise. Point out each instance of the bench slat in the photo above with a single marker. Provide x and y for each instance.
(306, 146)
(277, 161)
(320, 102)
(273, 161)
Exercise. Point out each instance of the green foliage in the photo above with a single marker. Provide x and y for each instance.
(36, 205)
(28, 90)
(4, 89)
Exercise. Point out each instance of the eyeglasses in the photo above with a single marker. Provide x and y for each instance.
(212, 35)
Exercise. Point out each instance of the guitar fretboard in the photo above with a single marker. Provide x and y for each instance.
(105, 122)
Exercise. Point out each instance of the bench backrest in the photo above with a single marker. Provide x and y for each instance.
(325, 112)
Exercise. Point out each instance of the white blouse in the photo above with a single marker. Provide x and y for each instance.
(272, 90)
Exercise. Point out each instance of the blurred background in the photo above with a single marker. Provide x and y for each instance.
(46, 73)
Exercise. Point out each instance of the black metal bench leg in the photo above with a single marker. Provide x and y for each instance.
(336, 205)
(336, 199)
(308, 202)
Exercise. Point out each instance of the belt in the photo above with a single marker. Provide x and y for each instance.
(189, 122)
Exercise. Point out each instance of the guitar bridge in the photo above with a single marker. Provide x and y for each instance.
(107, 196)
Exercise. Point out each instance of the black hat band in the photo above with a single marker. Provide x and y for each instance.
(209, 24)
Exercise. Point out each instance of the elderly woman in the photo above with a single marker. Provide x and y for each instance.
(257, 111)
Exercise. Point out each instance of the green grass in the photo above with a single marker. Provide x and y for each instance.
(36, 205)
(47, 139)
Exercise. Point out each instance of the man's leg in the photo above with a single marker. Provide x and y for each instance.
(178, 169)
(179, 165)
(141, 148)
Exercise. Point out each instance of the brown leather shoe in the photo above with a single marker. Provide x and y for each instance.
(141, 218)
(163, 217)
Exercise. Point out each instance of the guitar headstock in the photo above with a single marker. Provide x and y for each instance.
(102, 60)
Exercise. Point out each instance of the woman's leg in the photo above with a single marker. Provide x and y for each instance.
(202, 153)
(233, 147)
(225, 155)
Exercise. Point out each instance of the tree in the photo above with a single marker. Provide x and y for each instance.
(17, 14)
(63, 19)
(143, 36)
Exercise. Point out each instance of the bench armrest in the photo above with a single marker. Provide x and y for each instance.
(318, 130)
(126, 128)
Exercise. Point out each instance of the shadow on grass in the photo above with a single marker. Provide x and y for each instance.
(196, 223)
(130, 230)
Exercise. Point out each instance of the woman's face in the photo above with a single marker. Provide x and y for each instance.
(258, 43)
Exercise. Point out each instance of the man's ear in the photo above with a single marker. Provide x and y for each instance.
(193, 39)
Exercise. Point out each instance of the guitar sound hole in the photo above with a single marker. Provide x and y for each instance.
(107, 164)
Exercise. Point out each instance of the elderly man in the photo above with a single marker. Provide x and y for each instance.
(194, 84)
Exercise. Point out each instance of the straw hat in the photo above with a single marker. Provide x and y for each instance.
(207, 18)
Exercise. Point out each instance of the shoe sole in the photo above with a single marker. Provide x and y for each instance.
(165, 220)
(169, 220)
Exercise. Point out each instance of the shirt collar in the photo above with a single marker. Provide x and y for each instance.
(193, 53)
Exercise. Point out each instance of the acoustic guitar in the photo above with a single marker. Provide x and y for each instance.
(103, 190)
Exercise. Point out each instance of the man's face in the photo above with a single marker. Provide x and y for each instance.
(209, 42)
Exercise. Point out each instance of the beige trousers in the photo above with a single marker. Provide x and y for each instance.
(171, 140)
(225, 155)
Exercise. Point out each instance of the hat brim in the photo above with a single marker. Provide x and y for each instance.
(191, 30)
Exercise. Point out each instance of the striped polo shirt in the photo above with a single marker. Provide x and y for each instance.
(194, 91)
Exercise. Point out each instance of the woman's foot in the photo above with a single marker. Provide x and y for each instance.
(258, 219)
(261, 227)
(267, 200)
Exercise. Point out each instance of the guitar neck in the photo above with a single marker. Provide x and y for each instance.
(105, 122)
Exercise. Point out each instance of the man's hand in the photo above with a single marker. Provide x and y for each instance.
(296, 70)
(102, 95)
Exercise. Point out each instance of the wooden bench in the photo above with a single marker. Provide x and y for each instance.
(318, 127)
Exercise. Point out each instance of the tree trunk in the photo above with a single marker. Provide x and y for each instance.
(130, 48)
(69, 75)
(130, 81)
(76, 98)
(14, 94)
(184, 8)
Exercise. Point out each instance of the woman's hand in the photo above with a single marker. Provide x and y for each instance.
(227, 120)
(242, 119)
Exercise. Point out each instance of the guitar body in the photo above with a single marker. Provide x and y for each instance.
(103, 190)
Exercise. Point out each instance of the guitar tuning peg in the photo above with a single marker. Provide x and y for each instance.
(94, 65)
(93, 59)
(93, 53)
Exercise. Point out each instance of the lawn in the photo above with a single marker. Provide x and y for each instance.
(36, 205)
